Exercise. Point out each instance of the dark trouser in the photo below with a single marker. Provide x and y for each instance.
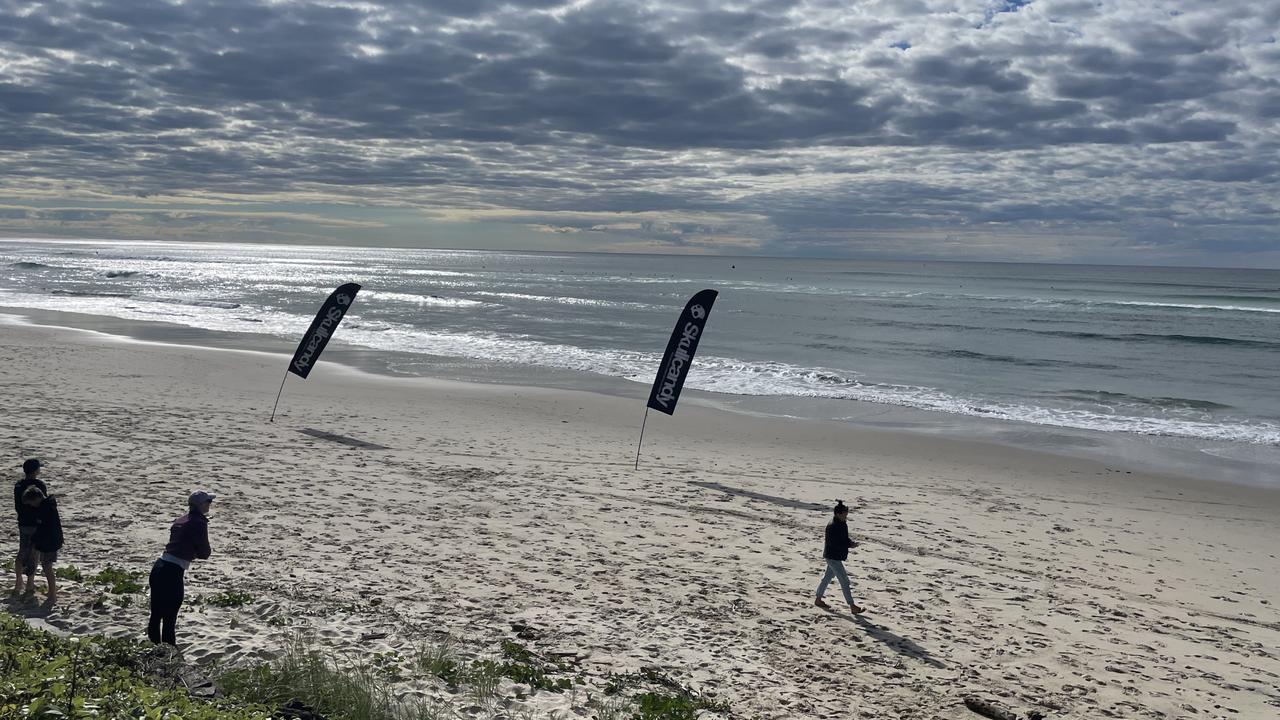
(166, 598)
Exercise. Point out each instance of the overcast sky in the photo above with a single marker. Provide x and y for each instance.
(1055, 130)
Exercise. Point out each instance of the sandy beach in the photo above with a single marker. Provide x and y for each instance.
(1069, 587)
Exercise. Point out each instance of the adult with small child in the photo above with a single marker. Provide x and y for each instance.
(46, 541)
(24, 562)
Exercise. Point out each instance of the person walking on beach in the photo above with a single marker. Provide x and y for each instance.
(46, 541)
(836, 551)
(27, 520)
(188, 541)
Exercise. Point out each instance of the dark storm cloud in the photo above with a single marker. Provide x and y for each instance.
(1022, 112)
(957, 72)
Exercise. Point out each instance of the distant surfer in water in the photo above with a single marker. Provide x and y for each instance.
(836, 551)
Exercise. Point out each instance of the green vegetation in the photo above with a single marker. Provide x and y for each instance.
(224, 599)
(304, 678)
(45, 676)
(68, 572)
(440, 660)
(663, 698)
(659, 697)
(523, 666)
(610, 708)
(657, 706)
(388, 665)
(518, 664)
(119, 581)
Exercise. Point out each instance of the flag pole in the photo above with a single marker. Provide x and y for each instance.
(273, 407)
(642, 424)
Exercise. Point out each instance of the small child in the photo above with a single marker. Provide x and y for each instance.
(47, 540)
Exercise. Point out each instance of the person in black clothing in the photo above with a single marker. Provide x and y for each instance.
(47, 539)
(26, 525)
(188, 541)
(836, 552)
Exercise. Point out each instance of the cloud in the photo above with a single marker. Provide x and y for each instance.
(810, 121)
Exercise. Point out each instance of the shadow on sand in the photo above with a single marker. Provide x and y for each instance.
(343, 439)
(26, 607)
(773, 499)
(900, 644)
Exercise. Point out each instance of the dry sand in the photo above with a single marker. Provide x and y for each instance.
(1074, 588)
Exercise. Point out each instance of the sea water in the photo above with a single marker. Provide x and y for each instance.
(1150, 351)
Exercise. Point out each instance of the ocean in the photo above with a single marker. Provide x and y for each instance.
(1177, 353)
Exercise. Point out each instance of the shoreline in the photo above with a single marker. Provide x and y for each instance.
(472, 510)
(1231, 463)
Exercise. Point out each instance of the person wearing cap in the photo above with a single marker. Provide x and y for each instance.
(27, 521)
(47, 539)
(836, 551)
(188, 541)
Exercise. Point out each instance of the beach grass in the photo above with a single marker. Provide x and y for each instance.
(442, 661)
(517, 663)
(334, 686)
(44, 675)
(303, 678)
(95, 676)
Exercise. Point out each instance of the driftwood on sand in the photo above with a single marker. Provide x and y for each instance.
(990, 708)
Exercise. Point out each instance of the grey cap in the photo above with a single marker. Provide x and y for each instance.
(199, 497)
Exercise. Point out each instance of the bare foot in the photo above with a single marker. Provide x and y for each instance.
(856, 609)
(822, 604)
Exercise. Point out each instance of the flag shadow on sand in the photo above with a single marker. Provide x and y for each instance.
(343, 439)
(771, 499)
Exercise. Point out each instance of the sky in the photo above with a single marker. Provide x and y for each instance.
(1012, 130)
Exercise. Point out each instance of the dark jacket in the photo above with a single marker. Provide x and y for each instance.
(838, 542)
(48, 536)
(27, 516)
(189, 537)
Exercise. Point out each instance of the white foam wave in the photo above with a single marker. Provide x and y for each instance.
(196, 302)
(710, 373)
(1195, 306)
(1253, 432)
(567, 300)
(737, 377)
(436, 273)
(420, 299)
(210, 315)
